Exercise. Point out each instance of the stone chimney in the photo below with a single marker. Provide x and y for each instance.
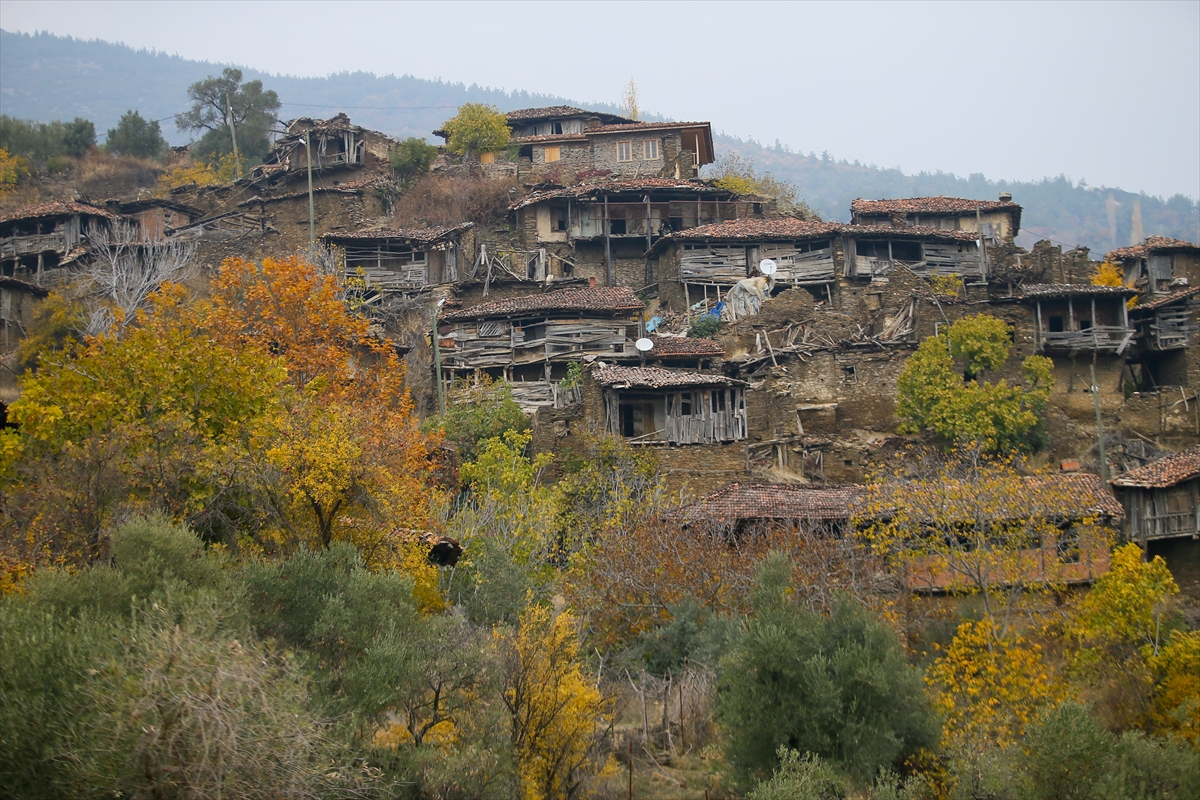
(1006, 197)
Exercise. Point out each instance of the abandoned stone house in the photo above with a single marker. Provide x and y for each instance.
(604, 229)
(339, 150)
(1166, 326)
(402, 260)
(36, 240)
(1162, 498)
(561, 142)
(998, 221)
(1070, 555)
(530, 341)
(744, 508)
(1159, 265)
(1162, 513)
(156, 218)
(1080, 318)
(657, 406)
(701, 264)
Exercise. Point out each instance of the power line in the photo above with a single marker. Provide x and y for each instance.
(368, 108)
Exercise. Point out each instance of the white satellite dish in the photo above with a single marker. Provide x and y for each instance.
(644, 345)
(767, 267)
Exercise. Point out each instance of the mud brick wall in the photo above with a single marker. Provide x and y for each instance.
(697, 470)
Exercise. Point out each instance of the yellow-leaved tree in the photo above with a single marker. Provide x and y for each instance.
(942, 390)
(990, 686)
(153, 416)
(1122, 631)
(347, 460)
(558, 717)
(972, 524)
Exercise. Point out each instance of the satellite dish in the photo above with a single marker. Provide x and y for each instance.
(767, 267)
(644, 345)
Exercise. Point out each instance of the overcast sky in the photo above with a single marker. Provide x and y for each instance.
(1107, 92)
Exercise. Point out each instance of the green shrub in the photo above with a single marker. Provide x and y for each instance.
(704, 327)
(836, 686)
(800, 778)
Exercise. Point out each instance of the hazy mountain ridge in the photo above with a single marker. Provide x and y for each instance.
(48, 77)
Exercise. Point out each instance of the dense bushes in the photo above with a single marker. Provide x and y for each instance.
(835, 686)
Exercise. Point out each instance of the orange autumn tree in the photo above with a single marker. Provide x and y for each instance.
(347, 461)
(152, 416)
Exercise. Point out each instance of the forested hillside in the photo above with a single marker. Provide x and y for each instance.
(48, 77)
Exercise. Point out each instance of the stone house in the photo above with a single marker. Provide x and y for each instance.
(402, 260)
(1080, 318)
(36, 240)
(998, 221)
(702, 263)
(530, 341)
(341, 207)
(1159, 265)
(156, 218)
(1162, 498)
(1073, 554)
(340, 152)
(742, 507)
(603, 229)
(657, 406)
(1162, 513)
(562, 142)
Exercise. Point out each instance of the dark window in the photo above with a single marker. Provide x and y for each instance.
(685, 404)
(560, 220)
(1067, 547)
(718, 400)
(1055, 325)
(616, 227)
(906, 251)
(627, 420)
(1085, 324)
(556, 127)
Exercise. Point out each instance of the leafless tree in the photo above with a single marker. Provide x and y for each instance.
(124, 271)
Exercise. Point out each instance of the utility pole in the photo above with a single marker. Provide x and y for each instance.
(1100, 429)
(437, 358)
(312, 220)
(232, 133)
(982, 246)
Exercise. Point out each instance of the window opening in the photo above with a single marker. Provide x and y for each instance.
(624, 151)
(650, 149)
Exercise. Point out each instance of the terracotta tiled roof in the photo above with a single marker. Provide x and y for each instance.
(1165, 472)
(928, 205)
(684, 347)
(1088, 490)
(1166, 299)
(1145, 248)
(413, 234)
(783, 228)
(346, 187)
(551, 112)
(550, 138)
(595, 189)
(789, 229)
(634, 127)
(57, 208)
(1053, 290)
(748, 501)
(656, 378)
(603, 299)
